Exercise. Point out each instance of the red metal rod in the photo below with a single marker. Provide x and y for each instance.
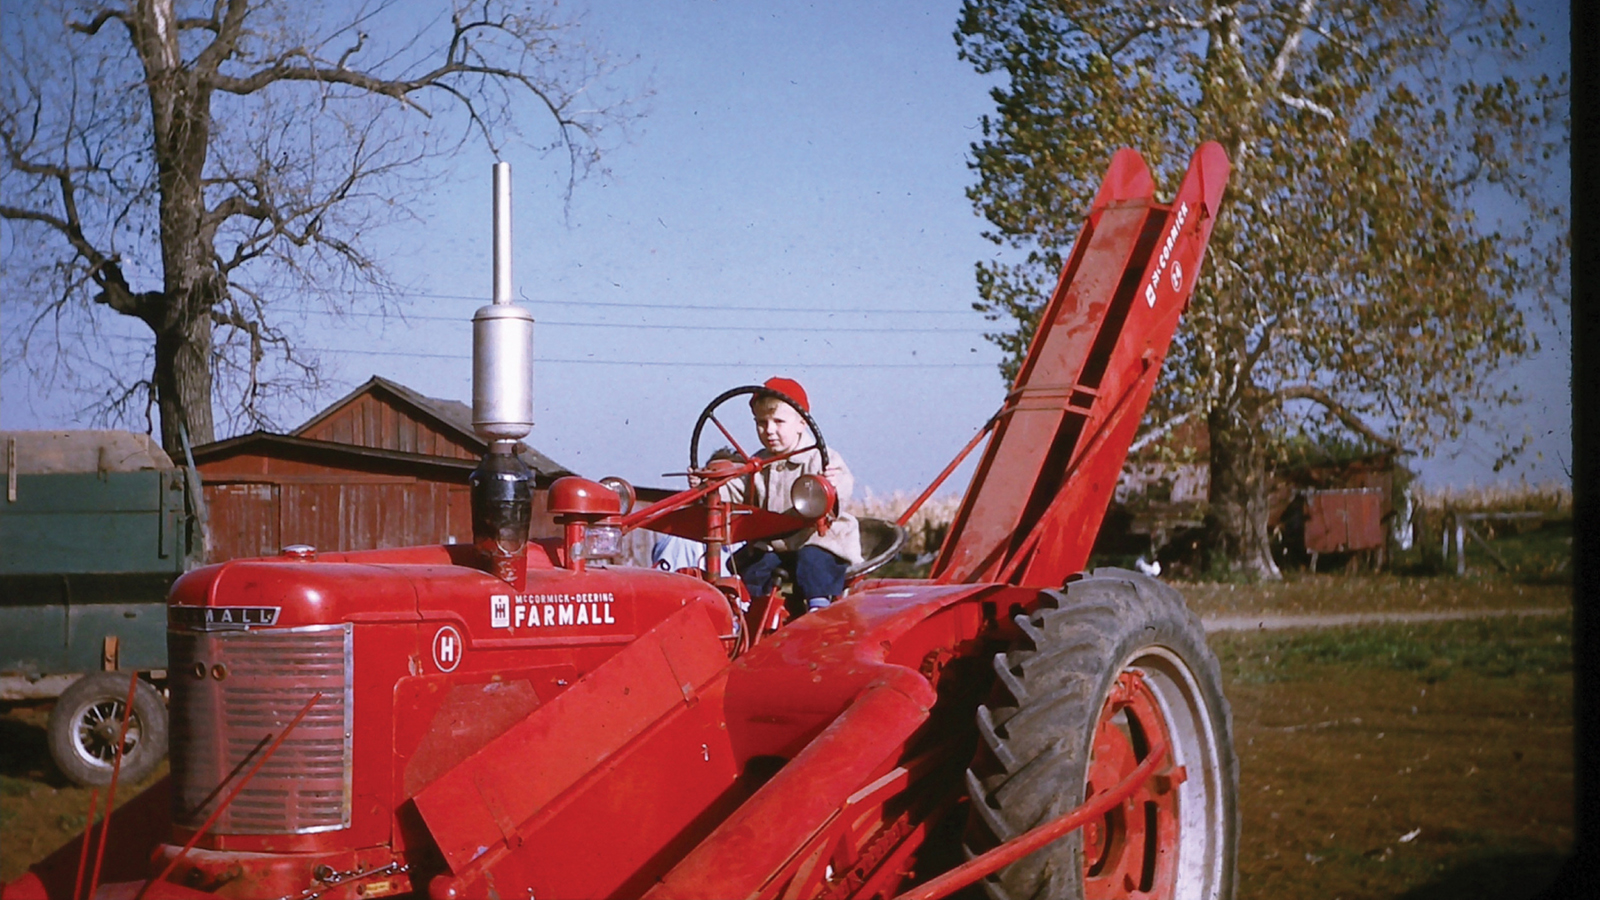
(642, 517)
(965, 451)
(1024, 844)
(111, 791)
(731, 439)
(211, 820)
(88, 837)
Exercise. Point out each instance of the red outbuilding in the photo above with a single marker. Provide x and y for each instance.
(384, 466)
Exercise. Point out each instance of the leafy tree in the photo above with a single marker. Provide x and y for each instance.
(1350, 278)
(194, 164)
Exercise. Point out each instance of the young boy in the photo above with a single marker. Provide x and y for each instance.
(817, 561)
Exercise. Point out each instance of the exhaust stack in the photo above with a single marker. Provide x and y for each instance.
(502, 408)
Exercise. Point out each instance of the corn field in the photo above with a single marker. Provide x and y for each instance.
(1552, 498)
(926, 528)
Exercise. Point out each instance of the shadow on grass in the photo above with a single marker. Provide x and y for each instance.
(25, 753)
(1497, 876)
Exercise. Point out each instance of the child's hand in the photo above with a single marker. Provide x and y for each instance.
(832, 473)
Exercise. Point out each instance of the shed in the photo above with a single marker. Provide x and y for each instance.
(383, 466)
(1315, 506)
(1336, 507)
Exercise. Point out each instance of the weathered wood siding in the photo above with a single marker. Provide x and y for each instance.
(374, 420)
(258, 505)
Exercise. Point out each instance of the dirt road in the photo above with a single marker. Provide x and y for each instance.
(1275, 622)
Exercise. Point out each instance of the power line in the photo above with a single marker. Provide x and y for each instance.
(677, 306)
(589, 362)
(832, 329)
(662, 363)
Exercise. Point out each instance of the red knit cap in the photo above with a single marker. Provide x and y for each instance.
(789, 388)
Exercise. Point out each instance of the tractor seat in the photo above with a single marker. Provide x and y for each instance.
(881, 541)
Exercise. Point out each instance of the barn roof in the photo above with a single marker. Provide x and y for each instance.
(448, 416)
(452, 414)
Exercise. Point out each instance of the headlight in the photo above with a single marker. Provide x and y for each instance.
(812, 496)
(602, 542)
(624, 491)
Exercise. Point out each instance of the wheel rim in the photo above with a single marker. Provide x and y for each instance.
(98, 725)
(1164, 840)
(1132, 847)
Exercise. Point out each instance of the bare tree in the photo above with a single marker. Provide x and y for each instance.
(194, 164)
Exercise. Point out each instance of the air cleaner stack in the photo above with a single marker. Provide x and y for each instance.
(502, 406)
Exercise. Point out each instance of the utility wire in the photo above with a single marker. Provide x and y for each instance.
(467, 357)
(832, 329)
(663, 363)
(668, 307)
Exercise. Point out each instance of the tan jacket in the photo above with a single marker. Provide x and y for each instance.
(769, 489)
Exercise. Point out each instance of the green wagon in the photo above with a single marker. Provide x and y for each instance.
(94, 528)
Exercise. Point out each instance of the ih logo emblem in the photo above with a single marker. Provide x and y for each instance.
(500, 611)
(447, 648)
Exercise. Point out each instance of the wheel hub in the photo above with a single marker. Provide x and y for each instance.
(99, 728)
(1132, 850)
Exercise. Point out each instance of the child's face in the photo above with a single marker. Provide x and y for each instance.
(778, 425)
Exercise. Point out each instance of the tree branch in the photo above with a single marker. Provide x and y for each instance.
(1343, 413)
(94, 25)
(1307, 105)
(1290, 45)
(1160, 431)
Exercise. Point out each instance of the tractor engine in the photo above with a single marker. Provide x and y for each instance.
(377, 659)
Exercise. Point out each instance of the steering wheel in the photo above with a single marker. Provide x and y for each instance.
(756, 390)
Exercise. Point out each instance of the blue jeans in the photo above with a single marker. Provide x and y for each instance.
(817, 573)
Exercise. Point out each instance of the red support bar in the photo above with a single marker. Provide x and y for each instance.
(649, 514)
(1004, 855)
(111, 791)
(966, 451)
(211, 820)
(83, 857)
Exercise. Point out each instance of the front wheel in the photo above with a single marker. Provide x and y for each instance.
(1106, 667)
(87, 719)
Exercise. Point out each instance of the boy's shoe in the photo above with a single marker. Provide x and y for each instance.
(816, 603)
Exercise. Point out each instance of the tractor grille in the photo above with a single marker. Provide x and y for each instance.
(221, 727)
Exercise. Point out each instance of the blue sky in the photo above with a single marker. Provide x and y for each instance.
(792, 205)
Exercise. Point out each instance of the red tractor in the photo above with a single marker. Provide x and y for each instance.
(526, 719)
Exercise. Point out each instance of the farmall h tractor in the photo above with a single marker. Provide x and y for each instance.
(525, 719)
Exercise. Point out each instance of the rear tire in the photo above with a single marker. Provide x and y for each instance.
(1105, 666)
(86, 720)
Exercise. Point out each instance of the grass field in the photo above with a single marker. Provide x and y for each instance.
(1416, 761)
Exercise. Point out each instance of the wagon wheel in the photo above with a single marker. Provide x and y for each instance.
(1105, 667)
(86, 720)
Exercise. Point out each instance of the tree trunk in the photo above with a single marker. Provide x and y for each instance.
(1238, 493)
(182, 379)
(192, 286)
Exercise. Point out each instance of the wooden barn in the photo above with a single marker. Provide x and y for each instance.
(384, 466)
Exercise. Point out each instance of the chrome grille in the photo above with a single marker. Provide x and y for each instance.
(221, 727)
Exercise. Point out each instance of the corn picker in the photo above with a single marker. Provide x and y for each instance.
(517, 718)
